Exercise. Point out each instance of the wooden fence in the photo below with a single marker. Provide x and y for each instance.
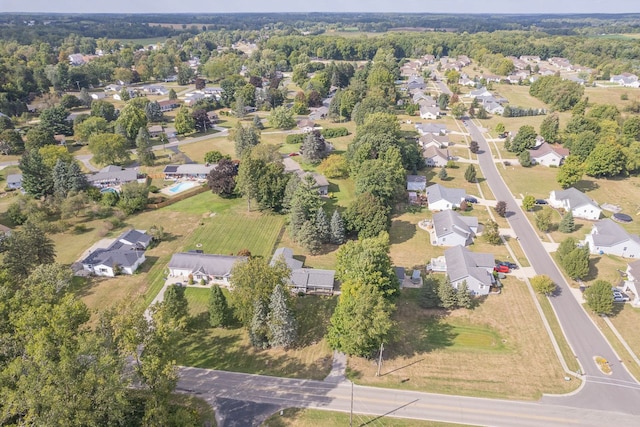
(179, 197)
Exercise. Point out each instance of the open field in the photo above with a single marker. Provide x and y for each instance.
(439, 352)
(315, 417)
(230, 349)
(626, 321)
(537, 181)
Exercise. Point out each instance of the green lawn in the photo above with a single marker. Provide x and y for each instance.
(315, 417)
(230, 349)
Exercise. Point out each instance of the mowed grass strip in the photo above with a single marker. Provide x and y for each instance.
(626, 321)
(314, 417)
(499, 349)
(230, 349)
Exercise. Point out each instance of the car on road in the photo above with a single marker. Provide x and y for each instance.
(501, 268)
(541, 202)
(470, 199)
(294, 154)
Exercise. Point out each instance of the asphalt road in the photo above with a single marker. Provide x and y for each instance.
(618, 391)
(246, 400)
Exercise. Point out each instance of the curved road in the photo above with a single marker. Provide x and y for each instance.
(618, 391)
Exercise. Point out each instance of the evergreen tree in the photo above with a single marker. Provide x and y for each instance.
(143, 148)
(447, 294)
(323, 229)
(172, 94)
(153, 112)
(565, 248)
(443, 173)
(524, 158)
(567, 225)
(428, 297)
(36, 177)
(470, 173)
(68, 177)
(308, 237)
(218, 308)
(257, 122)
(281, 321)
(85, 97)
(258, 328)
(463, 296)
(313, 148)
(304, 206)
(245, 138)
(491, 233)
(25, 249)
(337, 228)
(176, 304)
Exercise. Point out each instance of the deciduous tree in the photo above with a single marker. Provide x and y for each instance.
(599, 297)
(529, 202)
(222, 179)
(184, 122)
(131, 119)
(571, 172)
(144, 149)
(109, 149)
(501, 208)
(543, 284)
(281, 118)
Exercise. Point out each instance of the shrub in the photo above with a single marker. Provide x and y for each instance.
(153, 189)
(334, 132)
(296, 138)
(80, 228)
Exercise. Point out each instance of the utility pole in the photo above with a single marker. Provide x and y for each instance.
(351, 413)
(380, 359)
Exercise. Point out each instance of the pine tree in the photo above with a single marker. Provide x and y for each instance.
(443, 173)
(177, 306)
(470, 173)
(281, 321)
(428, 297)
(447, 294)
(153, 111)
(308, 237)
(257, 123)
(337, 228)
(567, 225)
(313, 148)
(463, 296)
(143, 148)
(218, 308)
(258, 328)
(323, 229)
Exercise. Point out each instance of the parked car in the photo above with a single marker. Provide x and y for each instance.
(509, 265)
(294, 154)
(470, 199)
(620, 298)
(541, 202)
(501, 268)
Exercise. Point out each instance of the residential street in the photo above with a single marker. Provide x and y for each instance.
(246, 400)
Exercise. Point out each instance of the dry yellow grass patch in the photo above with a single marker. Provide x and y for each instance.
(626, 322)
(500, 349)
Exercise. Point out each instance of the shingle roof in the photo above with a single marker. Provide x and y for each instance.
(190, 169)
(124, 251)
(448, 221)
(608, 233)
(114, 173)
(432, 151)
(287, 255)
(461, 263)
(310, 277)
(437, 192)
(212, 265)
(135, 237)
(575, 198)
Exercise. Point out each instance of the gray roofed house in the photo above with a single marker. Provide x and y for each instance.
(476, 269)
(427, 112)
(112, 176)
(479, 92)
(435, 157)
(416, 183)
(415, 82)
(319, 113)
(547, 155)
(442, 198)
(580, 205)
(14, 181)
(304, 279)
(190, 171)
(608, 237)
(434, 128)
(124, 255)
(438, 141)
(452, 229)
(155, 131)
(286, 255)
(322, 184)
(626, 79)
(210, 267)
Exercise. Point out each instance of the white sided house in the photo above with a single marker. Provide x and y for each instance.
(307, 280)
(580, 205)
(435, 157)
(212, 268)
(607, 237)
(547, 155)
(123, 256)
(452, 229)
(632, 282)
(476, 269)
(442, 198)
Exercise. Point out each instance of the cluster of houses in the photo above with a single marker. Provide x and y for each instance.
(491, 103)
(626, 80)
(530, 67)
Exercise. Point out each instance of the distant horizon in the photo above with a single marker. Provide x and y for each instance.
(324, 13)
(463, 7)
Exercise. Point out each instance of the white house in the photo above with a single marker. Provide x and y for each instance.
(123, 256)
(442, 198)
(438, 141)
(632, 282)
(476, 269)
(452, 229)
(479, 92)
(626, 79)
(435, 157)
(431, 128)
(212, 268)
(547, 155)
(580, 205)
(429, 112)
(607, 237)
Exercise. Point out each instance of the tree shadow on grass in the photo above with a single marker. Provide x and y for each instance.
(313, 314)
(424, 335)
(593, 269)
(586, 186)
(402, 231)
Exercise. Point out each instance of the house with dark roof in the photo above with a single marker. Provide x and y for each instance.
(416, 183)
(291, 166)
(304, 279)
(476, 269)
(212, 268)
(191, 171)
(442, 198)
(168, 105)
(449, 228)
(546, 154)
(580, 205)
(123, 256)
(608, 237)
(113, 176)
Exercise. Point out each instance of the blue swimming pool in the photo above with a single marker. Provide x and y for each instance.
(181, 186)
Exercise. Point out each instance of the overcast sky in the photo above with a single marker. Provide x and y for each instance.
(410, 6)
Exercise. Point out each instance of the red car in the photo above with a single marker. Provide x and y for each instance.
(293, 154)
(501, 268)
